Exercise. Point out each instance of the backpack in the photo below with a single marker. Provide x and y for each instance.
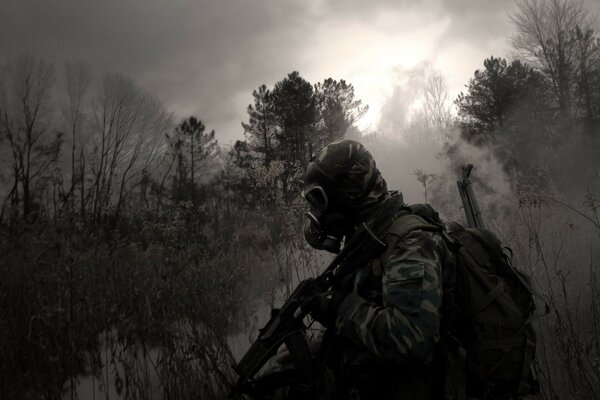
(493, 307)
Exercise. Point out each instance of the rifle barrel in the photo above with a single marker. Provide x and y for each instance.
(467, 197)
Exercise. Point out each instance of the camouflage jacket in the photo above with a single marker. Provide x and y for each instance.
(389, 324)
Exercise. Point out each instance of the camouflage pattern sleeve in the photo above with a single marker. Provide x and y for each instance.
(405, 328)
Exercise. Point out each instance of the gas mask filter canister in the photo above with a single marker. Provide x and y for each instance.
(326, 231)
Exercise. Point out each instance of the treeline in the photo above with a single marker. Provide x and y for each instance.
(542, 107)
(126, 236)
(132, 243)
(539, 114)
(99, 153)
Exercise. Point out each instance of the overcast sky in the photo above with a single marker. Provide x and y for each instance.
(204, 57)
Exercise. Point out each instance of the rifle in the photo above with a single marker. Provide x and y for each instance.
(468, 199)
(284, 327)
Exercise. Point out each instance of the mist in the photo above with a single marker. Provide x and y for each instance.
(150, 208)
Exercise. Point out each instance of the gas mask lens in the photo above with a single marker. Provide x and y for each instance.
(316, 197)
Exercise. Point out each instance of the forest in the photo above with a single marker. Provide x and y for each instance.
(139, 256)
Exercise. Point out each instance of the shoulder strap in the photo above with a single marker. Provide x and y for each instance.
(405, 224)
(402, 226)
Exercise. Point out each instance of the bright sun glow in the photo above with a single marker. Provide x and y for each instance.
(372, 56)
(368, 121)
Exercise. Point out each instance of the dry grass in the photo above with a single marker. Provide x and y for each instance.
(149, 304)
(559, 246)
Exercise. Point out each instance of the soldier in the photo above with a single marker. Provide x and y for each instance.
(386, 314)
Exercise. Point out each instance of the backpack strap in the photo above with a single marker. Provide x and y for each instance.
(407, 223)
(527, 284)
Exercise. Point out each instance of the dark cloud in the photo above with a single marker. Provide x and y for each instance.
(205, 57)
(196, 56)
(478, 22)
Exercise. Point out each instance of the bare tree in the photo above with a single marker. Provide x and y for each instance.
(26, 85)
(432, 119)
(437, 106)
(78, 80)
(546, 35)
(425, 179)
(587, 75)
(129, 127)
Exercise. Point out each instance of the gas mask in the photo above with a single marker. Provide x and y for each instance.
(339, 187)
(327, 224)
